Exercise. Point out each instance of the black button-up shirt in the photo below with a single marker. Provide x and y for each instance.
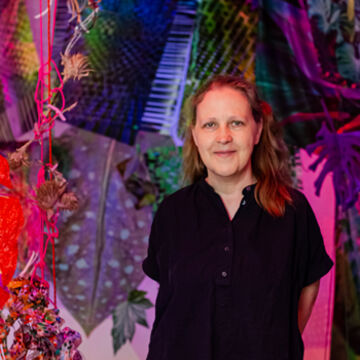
(229, 289)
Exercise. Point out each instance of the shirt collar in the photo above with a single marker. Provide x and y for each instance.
(247, 191)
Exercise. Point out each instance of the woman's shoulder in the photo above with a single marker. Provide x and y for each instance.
(297, 196)
(299, 201)
(178, 197)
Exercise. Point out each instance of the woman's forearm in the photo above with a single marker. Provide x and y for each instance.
(306, 302)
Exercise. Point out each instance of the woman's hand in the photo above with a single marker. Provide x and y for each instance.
(306, 302)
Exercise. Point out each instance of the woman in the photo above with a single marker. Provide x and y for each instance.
(238, 253)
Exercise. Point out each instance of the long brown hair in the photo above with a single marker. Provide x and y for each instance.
(269, 159)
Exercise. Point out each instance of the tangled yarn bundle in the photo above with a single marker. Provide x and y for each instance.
(38, 332)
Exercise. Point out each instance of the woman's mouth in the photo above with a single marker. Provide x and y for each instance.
(225, 153)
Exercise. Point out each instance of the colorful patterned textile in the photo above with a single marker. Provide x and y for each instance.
(224, 41)
(291, 72)
(124, 49)
(18, 66)
(165, 167)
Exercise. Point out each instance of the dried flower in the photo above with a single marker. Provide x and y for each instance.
(60, 181)
(51, 195)
(94, 4)
(75, 66)
(19, 157)
(75, 9)
(48, 194)
(69, 201)
(69, 108)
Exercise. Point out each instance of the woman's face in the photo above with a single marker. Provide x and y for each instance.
(225, 133)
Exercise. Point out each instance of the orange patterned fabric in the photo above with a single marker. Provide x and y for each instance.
(11, 222)
(5, 173)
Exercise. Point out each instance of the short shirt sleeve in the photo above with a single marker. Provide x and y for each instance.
(317, 261)
(151, 263)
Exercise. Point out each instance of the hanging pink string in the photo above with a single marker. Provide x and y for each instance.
(45, 123)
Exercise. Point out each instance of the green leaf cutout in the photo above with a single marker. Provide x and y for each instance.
(126, 315)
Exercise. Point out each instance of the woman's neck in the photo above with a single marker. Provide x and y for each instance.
(230, 186)
(230, 191)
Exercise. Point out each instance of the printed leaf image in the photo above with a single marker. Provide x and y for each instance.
(352, 125)
(326, 13)
(165, 167)
(319, 116)
(342, 155)
(100, 246)
(126, 315)
(348, 63)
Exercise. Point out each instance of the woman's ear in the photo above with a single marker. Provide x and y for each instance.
(259, 131)
(193, 133)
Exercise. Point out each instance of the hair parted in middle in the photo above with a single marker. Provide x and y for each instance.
(270, 157)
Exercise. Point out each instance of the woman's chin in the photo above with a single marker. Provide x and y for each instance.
(225, 173)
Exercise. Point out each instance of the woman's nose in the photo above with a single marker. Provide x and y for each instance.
(223, 135)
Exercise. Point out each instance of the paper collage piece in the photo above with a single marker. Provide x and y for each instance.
(99, 253)
(18, 68)
(124, 49)
(224, 41)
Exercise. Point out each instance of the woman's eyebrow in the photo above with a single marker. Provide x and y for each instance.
(236, 117)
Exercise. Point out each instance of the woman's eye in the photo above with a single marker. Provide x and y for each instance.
(237, 123)
(209, 125)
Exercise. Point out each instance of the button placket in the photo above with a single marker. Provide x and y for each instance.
(223, 276)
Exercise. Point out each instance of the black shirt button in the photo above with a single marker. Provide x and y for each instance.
(224, 274)
(226, 248)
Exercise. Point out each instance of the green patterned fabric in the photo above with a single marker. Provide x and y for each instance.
(224, 41)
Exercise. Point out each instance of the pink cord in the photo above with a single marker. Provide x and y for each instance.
(45, 123)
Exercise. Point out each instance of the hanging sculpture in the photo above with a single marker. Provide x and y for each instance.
(38, 331)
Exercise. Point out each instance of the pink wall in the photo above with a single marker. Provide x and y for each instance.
(317, 335)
